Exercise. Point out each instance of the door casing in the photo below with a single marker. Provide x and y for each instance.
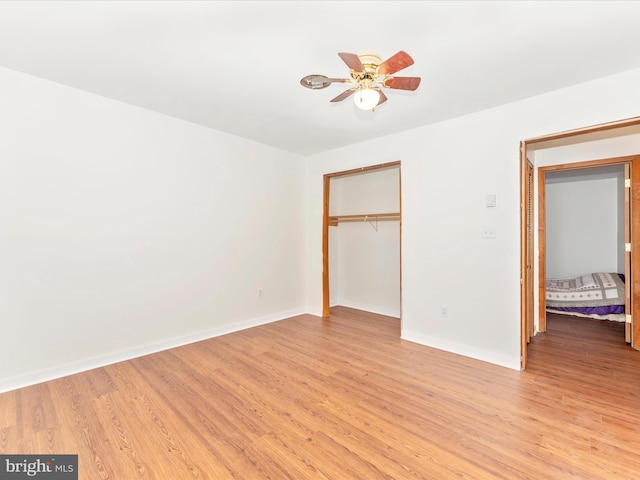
(631, 161)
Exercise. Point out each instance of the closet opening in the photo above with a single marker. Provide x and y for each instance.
(361, 240)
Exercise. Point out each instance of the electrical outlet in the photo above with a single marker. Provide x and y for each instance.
(444, 312)
(259, 293)
(489, 232)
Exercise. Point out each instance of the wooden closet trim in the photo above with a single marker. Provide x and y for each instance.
(370, 168)
(326, 309)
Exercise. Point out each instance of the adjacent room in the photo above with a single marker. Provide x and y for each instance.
(585, 240)
(219, 260)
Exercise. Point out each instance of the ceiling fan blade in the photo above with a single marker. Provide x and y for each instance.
(352, 60)
(402, 83)
(317, 82)
(383, 97)
(345, 94)
(396, 63)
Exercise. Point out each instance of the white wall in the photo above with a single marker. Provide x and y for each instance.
(583, 231)
(365, 270)
(447, 169)
(123, 231)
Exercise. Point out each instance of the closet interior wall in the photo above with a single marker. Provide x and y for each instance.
(364, 241)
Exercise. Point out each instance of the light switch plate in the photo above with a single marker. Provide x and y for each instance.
(490, 200)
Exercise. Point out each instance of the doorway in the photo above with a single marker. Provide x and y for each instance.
(588, 227)
(529, 289)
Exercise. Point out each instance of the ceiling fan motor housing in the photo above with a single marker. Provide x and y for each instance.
(370, 61)
(369, 74)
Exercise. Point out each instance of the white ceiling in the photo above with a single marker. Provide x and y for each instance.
(236, 66)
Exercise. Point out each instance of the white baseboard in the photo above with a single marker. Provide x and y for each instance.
(58, 371)
(371, 308)
(464, 350)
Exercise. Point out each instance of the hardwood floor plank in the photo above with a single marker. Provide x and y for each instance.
(343, 398)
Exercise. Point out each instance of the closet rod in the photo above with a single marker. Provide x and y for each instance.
(334, 220)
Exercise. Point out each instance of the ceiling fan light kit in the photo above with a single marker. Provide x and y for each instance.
(369, 74)
(366, 98)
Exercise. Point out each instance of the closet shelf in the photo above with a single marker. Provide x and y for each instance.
(334, 220)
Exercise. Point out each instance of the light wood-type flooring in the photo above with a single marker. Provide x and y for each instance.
(343, 398)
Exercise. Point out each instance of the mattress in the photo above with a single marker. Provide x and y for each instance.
(594, 295)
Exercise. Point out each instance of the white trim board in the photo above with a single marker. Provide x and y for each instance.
(370, 308)
(59, 371)
(464, 350)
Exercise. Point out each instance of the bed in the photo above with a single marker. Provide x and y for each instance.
(594, 295)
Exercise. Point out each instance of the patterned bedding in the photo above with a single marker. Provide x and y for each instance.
(597, 295)
(585, 290)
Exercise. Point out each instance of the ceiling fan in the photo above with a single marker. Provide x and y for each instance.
(369, 74)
